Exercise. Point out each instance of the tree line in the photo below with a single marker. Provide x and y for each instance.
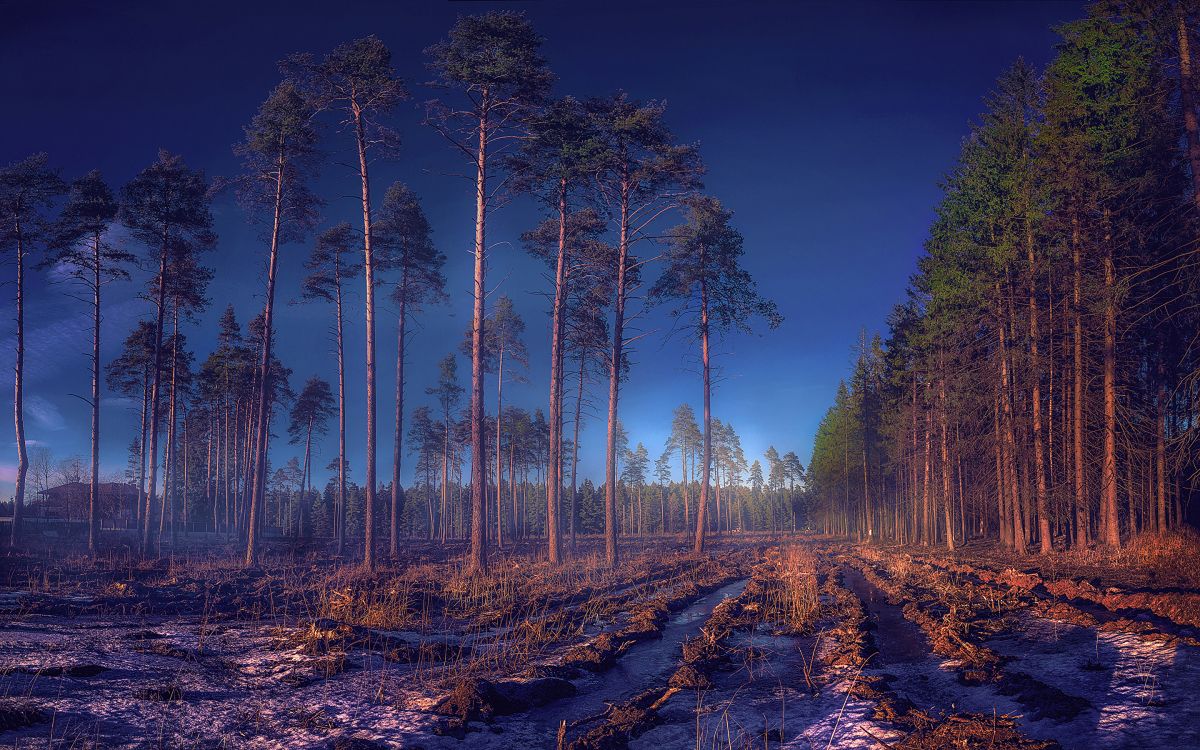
(608, 173)
(1038, 383)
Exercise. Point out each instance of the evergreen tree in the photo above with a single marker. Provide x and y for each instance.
(409, 253)
(494, 61)
(81, 245)
(704, 279)
(356, 80)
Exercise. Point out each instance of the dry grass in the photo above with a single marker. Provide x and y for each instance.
(785, 588)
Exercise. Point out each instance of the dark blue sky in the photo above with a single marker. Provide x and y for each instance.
(825, 128)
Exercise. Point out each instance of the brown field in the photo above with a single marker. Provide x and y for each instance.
(764, 642)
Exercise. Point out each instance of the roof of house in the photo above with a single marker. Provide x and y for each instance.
(105, 488)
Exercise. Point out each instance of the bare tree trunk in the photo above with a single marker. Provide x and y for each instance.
(575, 453)
(305, 480)
(496, 448)
(369, 275)
(94, 485)
(512, 486)
(685, 488)
(19, 397)
(614, 380)
(554, 472)
(477, 563)
(1082, 524)
(397, 442)
(170, 471)
(156, 384)
(209, 495)
(946, 502)
(1009, 443)
(1108, 480)
(445, 480)
(1001, 486)
(706, 463)
(264, 367)
(142, 426)
(339, 520)
(1160, 459)
(926, 531)
(1039, 461)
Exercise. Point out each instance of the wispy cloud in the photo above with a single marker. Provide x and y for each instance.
(53, 347)
(120, 402)
(45, 414)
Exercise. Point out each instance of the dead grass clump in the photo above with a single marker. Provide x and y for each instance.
(167, 693)
(972, 730)
(16, 713)
(783, 590)
(478, 699)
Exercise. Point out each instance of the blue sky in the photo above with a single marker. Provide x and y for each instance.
(825, 127)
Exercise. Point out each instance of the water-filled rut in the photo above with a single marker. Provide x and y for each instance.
(644, 665)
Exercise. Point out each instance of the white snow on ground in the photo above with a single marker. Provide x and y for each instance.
(1141, 689)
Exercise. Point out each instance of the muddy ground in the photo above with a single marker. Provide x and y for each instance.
(762, 643)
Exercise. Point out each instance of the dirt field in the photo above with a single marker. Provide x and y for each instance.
(763, 643)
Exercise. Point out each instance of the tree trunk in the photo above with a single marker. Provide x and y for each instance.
(478, 562)
(554, 472)
(1009, 442)
(946, 503)
(496, 448)
(614, 380)
(369, 275)
(156, 384)
(19, 396)
(1108, 480)
(142, 426)
(575, 453)
(702, 506)
(1082, 524)
(1160, 459)
(397, 442)
(94, 484)
(171, 458)
(264, 367)
(1039, 461)
(339, 518)
(305, 480)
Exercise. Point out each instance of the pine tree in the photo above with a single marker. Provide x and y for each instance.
(409, 253)
(356, 81)
(82, 246)
(642, 174)
(278, 152)
(704, 279)
(28, 189)
(330, 266)
(166, 208)
(494, 61)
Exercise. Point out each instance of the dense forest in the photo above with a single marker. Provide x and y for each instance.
(622, 200)
(1039, 383)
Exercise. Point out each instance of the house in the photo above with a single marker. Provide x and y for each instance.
(117, 501)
